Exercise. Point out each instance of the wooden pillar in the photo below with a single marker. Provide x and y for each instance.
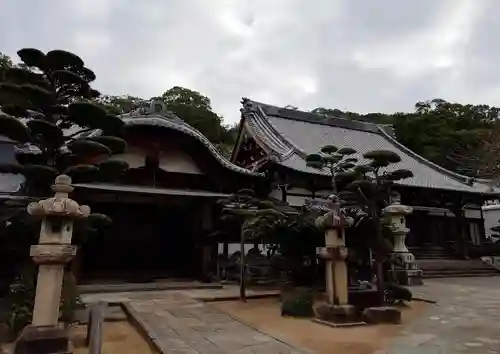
(207, 245)
(283, 189)
(481, 227)
(461, 227)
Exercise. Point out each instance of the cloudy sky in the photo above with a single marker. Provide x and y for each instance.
(357, 55)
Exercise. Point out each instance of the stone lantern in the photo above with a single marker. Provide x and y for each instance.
(335, 254)
(53, 251)
(406, 269)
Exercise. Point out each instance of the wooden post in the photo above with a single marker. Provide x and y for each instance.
(243, 296)
(95, 327)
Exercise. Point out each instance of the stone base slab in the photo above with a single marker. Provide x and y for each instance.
(42, 340)
(339, 325)
(408, 277)
(382, 314)
(337, 314)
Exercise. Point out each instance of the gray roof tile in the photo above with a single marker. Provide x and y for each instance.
(304, 133)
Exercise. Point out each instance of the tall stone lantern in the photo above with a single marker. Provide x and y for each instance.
(53, 251)
(335, 253)
(405, 268)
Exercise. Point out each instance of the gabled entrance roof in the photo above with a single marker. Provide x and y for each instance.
(288, 136)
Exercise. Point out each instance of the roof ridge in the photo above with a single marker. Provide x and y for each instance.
(461, 178)
(310, 117)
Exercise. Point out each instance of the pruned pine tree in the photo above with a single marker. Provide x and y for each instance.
(39, 103)
(40, 100)
(371, 187)
(333, 161)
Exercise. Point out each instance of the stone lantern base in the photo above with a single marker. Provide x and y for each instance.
(42, 340)
(406, 271)
(409, 277)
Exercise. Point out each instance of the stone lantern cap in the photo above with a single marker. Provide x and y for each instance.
(60, 205)
(334, 218)
(398, 209)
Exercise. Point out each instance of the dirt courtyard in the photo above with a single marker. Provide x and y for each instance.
(264, 314)
(119, 338)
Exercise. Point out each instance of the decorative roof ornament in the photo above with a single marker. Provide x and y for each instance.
(156, 108)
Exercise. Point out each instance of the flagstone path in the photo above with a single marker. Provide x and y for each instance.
(178, 323)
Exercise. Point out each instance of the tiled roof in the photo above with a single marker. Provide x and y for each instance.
(291, 135)
(162, 119)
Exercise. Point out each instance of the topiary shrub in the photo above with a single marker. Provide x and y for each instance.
(397, 294)
(298, 303)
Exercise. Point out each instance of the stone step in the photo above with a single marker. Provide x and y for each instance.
(443, 268)
(452, 264)
(425, 257)
(442, 273)
(459, 275)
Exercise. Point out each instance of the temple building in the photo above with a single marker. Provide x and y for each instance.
(163, 207)
(447, 218)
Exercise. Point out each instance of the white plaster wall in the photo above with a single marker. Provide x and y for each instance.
(472, 213)
(491, 214)
(170, 161)
(297, 196)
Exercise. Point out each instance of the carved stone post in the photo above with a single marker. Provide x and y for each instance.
(405, 268)
(52, 252)
(335, 254)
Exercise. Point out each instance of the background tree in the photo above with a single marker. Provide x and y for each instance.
(195, 109)
(481, 159)
(190, 106)
(437, 129)
(5, 61)
(121, 104)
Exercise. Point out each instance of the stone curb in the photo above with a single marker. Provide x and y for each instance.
(235, 298)
(144, 329)
(131, 288)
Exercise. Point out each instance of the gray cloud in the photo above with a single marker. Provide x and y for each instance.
(355, 55)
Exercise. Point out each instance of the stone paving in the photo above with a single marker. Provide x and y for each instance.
(179, 323)
(466, 319)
